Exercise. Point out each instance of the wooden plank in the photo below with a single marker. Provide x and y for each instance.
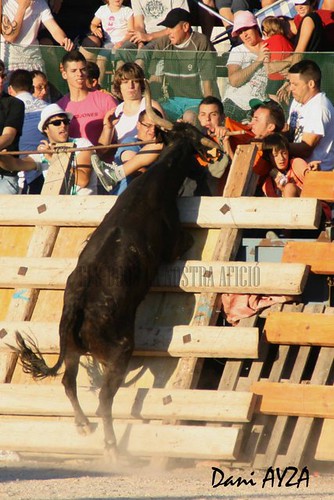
(300, 329)
(43, 436)
(302, 400)
(319, 185)
(142, 403)
(189, 276)
(325, 446)
(177, 341)
(319, 256)
(205, 212)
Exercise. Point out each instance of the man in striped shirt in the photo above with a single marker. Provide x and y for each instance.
(183, 65)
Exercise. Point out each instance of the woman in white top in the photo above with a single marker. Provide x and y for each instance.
(129, 87)
(247, 76)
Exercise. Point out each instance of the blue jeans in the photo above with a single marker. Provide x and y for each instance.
(9, 184)
(176, 106)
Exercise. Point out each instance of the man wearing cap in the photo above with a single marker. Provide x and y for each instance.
(311, 116)
(183, 63)
(148, 16)
(268, 117)
(11, 123)
(54, 124)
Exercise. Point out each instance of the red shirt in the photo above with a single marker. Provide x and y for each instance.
(280, 48)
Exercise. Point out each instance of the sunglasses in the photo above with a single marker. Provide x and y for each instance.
(147, 125)
(57, 123)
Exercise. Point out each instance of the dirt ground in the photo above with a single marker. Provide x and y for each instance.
(91, 479)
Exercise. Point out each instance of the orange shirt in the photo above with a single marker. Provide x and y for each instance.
(261, 166)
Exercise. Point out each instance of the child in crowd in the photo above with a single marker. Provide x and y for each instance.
(287, 174)
(280, 47)
(111, 25)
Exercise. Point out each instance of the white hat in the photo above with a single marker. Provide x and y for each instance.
(49, 111)
(300, 2)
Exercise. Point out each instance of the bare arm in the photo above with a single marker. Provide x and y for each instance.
(207, 88)
(306, 31)
(238, 76)
(12, 164)
(58, 34)
(304, 148)
(7, 137)
(95, 27)
(83, 168)
(11, 28)
(147, 155)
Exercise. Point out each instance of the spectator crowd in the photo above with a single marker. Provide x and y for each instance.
(272, 93)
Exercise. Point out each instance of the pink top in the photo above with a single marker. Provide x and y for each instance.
(88, 114)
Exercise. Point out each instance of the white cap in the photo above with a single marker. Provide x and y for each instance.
(49, 111)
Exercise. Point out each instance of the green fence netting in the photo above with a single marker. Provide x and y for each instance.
(180, 72)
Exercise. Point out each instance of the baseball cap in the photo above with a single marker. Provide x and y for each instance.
(174, 17)
(300, 2)
(255, 103)
(49, 111)
(243, 19)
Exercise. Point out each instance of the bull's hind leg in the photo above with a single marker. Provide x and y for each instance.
(114, 372)
(70, 384)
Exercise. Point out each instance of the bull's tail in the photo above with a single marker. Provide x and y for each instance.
(33, 361)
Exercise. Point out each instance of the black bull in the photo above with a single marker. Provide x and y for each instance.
(113, 275)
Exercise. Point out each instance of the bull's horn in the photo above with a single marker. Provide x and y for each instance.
(209, 143)
(157, 120)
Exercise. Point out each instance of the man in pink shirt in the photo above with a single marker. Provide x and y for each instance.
(87, 106)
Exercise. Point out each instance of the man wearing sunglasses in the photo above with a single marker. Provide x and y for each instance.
(54, 124)
(11, 123)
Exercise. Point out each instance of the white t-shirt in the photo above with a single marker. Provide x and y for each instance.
(155, 11)
(254, 87)
(24, 53)
(34, 16)
(114, 24)
(43, 165)
(315, 117)
(126, 126)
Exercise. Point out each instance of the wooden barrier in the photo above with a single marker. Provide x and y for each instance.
(190, 276)
(218, 212)
(299, 329)
(177, 341)
(141, 403)
(318, 255)
(319, 185)
(175, 332)
(181, 441)
(302, 400)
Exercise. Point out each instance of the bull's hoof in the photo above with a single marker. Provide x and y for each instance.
(86, 428)
(111, 454)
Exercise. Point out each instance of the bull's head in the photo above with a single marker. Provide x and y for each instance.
(167, 126)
